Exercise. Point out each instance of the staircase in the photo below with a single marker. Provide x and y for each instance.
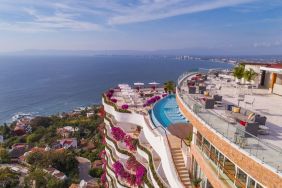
(175, 148)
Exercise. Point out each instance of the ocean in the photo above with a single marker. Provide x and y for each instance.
(45, 85)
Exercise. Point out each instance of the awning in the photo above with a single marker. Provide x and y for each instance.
(269, 69)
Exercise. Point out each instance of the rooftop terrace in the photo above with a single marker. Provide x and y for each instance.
(265, 147)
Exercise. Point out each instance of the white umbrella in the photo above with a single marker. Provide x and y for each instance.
(138, 84)
(154, 83)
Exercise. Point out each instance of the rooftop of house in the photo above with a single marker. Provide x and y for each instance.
(268, 146)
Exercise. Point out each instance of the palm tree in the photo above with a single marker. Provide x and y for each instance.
(169, 86)
(250, 75)
(238, 71)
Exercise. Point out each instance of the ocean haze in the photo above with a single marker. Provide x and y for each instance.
(50, 84)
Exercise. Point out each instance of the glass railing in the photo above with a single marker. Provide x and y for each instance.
(262, 150)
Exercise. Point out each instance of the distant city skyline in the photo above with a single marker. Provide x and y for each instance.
(222, 27)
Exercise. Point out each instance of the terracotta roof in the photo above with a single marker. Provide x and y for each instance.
(276, 66)
(74, 186)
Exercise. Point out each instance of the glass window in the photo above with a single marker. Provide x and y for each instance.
(221, 161)
(259, 186)
(241, 178)
(251, 183)
(214, 155)
(229, 169)
(199, 140)
(206, 148)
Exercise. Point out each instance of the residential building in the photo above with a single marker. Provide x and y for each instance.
(231, 142)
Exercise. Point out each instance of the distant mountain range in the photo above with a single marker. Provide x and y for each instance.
(167, 52)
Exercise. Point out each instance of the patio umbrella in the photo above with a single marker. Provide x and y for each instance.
(154, 84)
(138, 84)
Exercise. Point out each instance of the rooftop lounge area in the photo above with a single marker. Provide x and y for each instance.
(247, 116)
(137, 99)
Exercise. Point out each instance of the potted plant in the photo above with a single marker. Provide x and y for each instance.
(238, 72)
(196, 182)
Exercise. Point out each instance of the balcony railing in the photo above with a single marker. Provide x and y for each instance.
(254, 146)
(151, 162)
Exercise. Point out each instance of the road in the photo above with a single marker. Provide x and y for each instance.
(84, 167)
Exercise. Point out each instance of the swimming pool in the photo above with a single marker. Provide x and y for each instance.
(166, 112)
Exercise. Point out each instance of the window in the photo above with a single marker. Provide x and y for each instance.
(206, 148)
(251, 183)
(241, 178)
(199, 140)
(214, 155)
(259, 186)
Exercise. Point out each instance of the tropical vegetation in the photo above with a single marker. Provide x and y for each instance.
(238, 71)
(250, 75)
(169, 86)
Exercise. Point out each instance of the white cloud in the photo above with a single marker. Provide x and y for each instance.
(93, 15)
(268, 44)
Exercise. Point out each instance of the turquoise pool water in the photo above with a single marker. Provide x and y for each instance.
(166, 112)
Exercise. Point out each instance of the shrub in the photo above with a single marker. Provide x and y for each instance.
(96, 172)
(118, 133)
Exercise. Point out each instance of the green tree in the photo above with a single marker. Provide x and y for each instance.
(37, 159)
(169, 86)
(41, 121)
(238, 71)
(55, 183)
(38, 178)
(4, 156)
(250, 75)
(96, 172)
(8, 178)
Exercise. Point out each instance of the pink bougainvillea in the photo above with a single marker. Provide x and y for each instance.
(124, 106)
(140, 172)
(102, 154)
(103, 178)
(114, 100)
(118, 133)
(132, 164)
(130, 143)
(131, 179)
(118, 169)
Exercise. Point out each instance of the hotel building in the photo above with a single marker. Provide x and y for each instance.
(204, 135)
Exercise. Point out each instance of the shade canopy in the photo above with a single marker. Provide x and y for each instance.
(154, 83)
(138, 84)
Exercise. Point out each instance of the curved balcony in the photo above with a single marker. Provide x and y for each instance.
(221, 134)
(156, 138)
(147, 182)
(146, 154)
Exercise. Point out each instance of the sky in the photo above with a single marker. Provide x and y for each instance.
(246, 27)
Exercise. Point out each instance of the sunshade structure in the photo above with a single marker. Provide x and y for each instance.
(138, 84)
(154, 84)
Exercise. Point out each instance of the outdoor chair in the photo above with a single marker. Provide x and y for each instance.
(217, 97)
(250, 102)
(209, 103)
(192, 90)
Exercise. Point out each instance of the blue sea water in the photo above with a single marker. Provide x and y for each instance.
(49, 84)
